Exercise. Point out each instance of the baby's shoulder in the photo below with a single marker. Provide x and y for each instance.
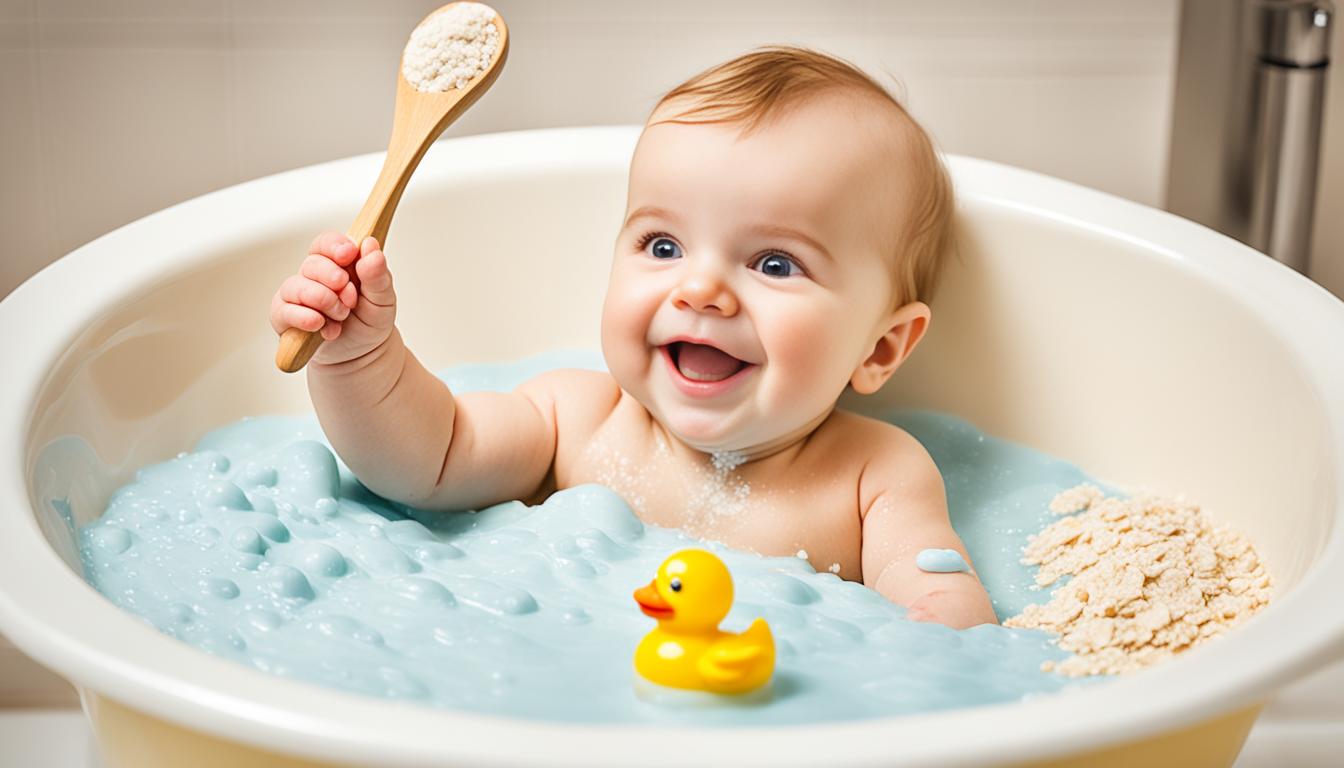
(581, 399)
(894, 461)
(873, 438)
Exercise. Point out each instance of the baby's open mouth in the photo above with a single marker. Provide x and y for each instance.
(701, 362)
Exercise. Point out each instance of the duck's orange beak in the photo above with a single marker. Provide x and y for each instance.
(652, 603)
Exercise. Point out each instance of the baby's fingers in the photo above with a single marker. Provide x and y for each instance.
(304, 291)
(285, 316)
(324, 271)
(375, 279)
(331, 330)
(349, 295)
(334, 246)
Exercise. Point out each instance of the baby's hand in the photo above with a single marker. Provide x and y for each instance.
(356, 315)
(958, 609)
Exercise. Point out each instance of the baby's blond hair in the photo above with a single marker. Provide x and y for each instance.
(764, 83)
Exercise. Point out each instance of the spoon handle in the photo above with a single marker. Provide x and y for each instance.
(419, 118)
(413, 131)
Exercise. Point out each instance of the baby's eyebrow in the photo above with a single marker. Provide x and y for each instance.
(779, 230)
(651, 211)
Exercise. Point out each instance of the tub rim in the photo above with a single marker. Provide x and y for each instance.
(44, 605)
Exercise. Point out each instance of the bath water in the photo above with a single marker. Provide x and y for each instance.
(260, 546)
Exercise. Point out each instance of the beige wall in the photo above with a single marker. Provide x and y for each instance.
(112, 110)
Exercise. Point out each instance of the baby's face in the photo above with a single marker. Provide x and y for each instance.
(752, 275)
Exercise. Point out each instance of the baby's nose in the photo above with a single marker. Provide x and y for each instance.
(704, 291)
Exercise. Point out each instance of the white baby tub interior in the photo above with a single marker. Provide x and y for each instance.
(1150, 351)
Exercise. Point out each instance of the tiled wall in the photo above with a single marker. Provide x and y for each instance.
(113, 109)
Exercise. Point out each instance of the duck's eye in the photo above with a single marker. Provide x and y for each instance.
(675, 584)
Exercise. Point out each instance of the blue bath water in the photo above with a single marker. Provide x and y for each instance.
(260, 546)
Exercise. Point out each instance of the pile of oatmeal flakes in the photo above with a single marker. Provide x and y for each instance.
(1152, 577)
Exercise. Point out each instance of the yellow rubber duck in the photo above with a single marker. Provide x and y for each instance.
(689, 596)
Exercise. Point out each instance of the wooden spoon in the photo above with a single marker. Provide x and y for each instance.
(419, 119)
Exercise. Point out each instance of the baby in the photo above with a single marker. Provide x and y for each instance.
(785, 221)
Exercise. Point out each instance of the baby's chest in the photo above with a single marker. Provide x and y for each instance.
(778, 517)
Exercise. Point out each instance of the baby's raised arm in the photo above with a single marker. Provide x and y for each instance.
(905, 512)
(395, 424)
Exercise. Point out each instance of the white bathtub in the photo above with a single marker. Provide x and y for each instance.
(1149, 350)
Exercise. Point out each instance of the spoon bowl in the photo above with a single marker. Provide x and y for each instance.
(419, 118)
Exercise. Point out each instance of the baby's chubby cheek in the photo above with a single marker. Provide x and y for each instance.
(808, 365)
(624, 333)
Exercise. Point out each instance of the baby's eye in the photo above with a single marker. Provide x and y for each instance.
(778, 265)
(663, 248)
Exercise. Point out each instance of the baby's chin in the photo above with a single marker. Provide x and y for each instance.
(716, 433)
(703, 430)
(712, 428)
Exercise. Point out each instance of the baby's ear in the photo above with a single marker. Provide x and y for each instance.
(905, 327)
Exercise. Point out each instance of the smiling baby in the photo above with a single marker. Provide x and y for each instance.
(785, 223)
